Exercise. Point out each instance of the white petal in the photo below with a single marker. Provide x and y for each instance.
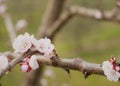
(33, 62)
(3, 62)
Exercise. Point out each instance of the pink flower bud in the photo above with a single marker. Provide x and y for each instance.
(24, 68)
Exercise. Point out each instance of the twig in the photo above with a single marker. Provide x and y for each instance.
(9, 26)
(58, 24)
(95, 13)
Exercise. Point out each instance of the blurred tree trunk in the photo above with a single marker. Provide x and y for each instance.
(53, 10)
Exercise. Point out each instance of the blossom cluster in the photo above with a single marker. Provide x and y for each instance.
(26, 42)
(29, 63)
(111, 69)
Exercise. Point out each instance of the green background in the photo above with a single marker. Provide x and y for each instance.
(92, 40)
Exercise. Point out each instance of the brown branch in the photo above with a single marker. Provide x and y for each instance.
(74, 64)
(58, 24)
(95, 13)
(52, 13)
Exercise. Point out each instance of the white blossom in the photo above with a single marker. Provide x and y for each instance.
(33, 63)
(45, 46)
(3, 62)
(44, 82)
(22, 43)
(49, 72)
(21, 24)
(113, 75)
(3, 9)
(110, 73)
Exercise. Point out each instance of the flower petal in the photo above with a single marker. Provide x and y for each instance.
(3, 62)
(33, 62)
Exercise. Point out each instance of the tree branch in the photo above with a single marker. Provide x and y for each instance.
(9, 26)
(52, 13)
(96, 14)
(74, 64)
(58, 24)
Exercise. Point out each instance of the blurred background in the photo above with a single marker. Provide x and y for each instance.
(92, 40)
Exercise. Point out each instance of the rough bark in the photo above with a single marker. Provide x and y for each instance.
(55, 61)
